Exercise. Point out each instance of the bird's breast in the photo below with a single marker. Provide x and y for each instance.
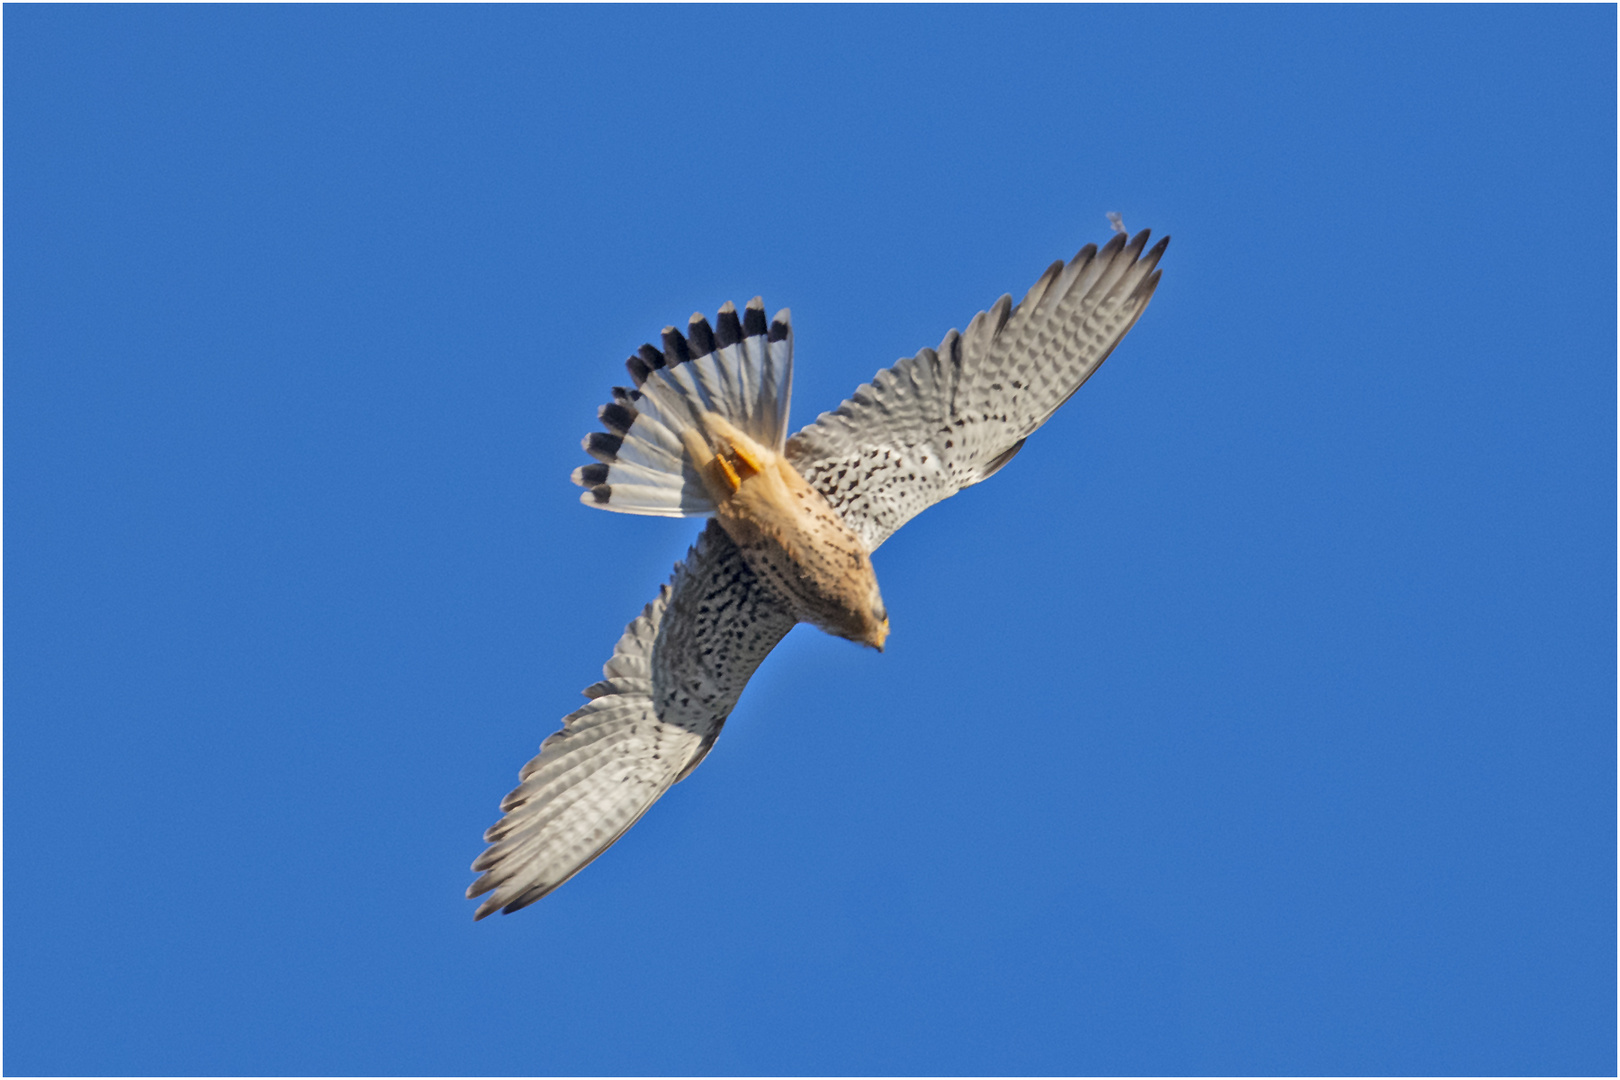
(787, 532)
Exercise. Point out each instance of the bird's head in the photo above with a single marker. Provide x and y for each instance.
(875, 627)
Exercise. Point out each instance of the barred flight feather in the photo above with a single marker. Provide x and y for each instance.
(674, 678)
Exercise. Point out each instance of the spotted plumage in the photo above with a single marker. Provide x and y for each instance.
(703, 432)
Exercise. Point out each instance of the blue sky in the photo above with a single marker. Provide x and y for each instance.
(1259, 718)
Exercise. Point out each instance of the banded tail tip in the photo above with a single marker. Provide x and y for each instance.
(754, 317)
(675, 350)
(603, 446)
(618, 418)
(591, 476)
(728, 330)
(645, 361)
(699, 336)
(781, 325)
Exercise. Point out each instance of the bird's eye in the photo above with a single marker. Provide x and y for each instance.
(879, 612)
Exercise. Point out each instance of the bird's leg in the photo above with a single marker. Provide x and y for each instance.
(743, 460)
(724, 457)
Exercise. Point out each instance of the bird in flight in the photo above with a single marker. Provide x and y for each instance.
(794, 522)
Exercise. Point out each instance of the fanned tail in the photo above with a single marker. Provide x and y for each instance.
(740, 370)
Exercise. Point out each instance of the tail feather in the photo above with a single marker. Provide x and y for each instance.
(778, 388)
(740, 369)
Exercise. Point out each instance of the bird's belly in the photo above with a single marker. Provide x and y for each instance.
(799, 547)
(789, 536)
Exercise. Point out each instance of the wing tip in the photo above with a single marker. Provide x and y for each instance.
(1157, 252)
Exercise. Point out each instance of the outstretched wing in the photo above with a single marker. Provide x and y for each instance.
(943, 420)
(674, 677)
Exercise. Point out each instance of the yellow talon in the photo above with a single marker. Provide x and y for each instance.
(746, 462)
(730, 474)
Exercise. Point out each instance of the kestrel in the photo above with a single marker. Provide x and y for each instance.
(794, 524)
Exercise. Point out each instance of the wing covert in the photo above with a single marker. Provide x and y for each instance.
(948, 418)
